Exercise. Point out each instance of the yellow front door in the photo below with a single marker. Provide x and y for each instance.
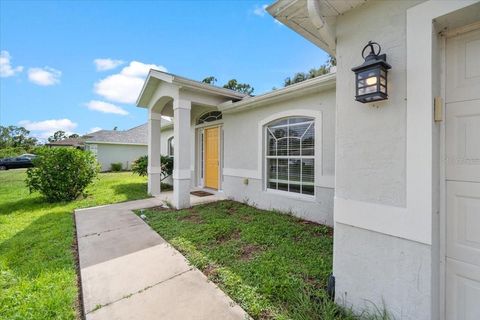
(211, 157)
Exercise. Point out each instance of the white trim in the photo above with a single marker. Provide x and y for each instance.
(209, 124)
(293, 195)
(415, 221)
(323, 181)
(443, 186)
(168, 146)
(242, 173)
(155, 77)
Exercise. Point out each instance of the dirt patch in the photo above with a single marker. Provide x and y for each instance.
(249, 251)
(246, 218)
(319, 230)
(265, 315)
(193, 217)
(234, 235)
(313, 281)
(158, 208)
(231, 210)
(210, 271)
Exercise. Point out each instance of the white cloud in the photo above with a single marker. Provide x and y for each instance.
(107, 64)
(44, 76)
(46, 128)
(260, 10)
(6, 69)
(105, 107)
(124, 87)
(94, 129)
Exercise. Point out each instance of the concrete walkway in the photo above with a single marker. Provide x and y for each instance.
(129, 272)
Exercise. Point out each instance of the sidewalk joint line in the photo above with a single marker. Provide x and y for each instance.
(100, 306)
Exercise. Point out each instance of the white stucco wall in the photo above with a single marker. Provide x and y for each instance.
(243, 157)
(373, 267)
(374, 270)
(371, 138)
(113, 153)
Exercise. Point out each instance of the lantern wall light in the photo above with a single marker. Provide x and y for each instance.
(371, 75)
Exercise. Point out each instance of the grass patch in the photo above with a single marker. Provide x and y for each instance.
(273, 265)
(37, 265)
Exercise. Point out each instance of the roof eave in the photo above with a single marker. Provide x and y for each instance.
(279, 6)
(155, 76)
(317, 84)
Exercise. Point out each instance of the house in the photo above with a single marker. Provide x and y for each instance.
(115, 146)
(77, 143)
(398, 178)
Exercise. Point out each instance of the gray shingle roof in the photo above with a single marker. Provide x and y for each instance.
(136, 135)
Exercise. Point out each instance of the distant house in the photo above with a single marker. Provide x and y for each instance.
(69, 142)
(114, 146)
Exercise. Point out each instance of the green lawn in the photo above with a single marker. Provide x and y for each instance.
(274, 265)
(37, 266)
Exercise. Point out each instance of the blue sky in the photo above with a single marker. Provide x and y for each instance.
(49, 78)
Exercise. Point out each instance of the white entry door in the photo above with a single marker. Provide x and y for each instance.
(462, 130)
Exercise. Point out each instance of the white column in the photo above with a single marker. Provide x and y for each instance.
(154, 169)
(181, 159)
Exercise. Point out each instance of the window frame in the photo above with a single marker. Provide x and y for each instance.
(169, 147)
(313, 120)
(204, 118)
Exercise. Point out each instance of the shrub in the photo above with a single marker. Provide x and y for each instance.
(115, 167)
(140, 166)
(62, 174)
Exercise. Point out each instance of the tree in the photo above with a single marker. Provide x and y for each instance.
(115, 128)
(210, 80)
(73, 136)
(240, 87)
(312, 73)
(16, 137)
(57, 136)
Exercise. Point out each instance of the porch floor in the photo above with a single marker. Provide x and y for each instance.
(167, 196)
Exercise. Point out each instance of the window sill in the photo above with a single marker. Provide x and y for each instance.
(286, 194)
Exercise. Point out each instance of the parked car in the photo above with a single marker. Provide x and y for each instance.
(23, 161)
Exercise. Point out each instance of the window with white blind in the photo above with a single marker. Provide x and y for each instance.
(170, 146)
(290, 155)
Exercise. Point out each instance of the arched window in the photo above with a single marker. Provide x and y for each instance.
(170, 146)
(209, 117)
(290, 155)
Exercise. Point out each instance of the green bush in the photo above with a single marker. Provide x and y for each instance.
(62, 174)
(140, 166)
(116, 167)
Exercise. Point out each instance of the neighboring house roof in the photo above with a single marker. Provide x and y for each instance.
(136, 135)
(313, 19)
(69, 142)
